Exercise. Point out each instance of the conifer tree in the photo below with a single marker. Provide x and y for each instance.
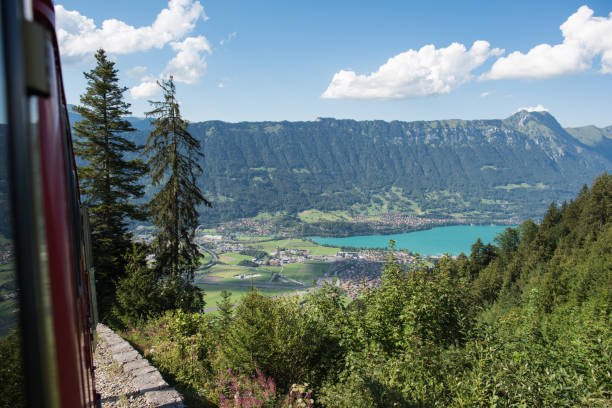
(226, 308)
(109, 181)
(173, 162)
(138, 294)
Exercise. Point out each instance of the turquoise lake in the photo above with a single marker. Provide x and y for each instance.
(436, 241)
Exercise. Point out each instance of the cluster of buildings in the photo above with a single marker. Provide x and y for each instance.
(374, 255)
(6, 253)
(357, 276)
(222, 247)
(286, 256)
(400, 220)
(255, 227)
(363, 271)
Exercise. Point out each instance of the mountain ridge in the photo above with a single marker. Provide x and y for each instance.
(483, 169)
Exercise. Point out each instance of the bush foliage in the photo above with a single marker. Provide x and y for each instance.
(523, 323)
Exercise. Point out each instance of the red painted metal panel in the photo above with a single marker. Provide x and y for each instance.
(71, 312)
(58, 245)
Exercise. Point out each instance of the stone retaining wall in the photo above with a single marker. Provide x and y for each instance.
(145, 378)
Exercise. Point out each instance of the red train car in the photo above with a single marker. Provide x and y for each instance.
(46, 280)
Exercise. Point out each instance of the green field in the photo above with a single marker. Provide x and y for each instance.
(225, 273)
(212, 293)
(303, 272)
(223, 277)
(307, 271)
(233, 258)
(270, 246)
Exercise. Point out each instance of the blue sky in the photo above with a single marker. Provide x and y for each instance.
(279, 60)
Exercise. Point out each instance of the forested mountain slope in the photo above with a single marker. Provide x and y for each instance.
(479, 168)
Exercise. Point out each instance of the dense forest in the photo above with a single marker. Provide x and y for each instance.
(522, 323)
(481, 168)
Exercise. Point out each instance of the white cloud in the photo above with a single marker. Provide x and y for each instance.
(411, 74)
(220, 85)
(79, 36)
(538, 108)
(229, 38)
(584, 38)
(145, 90)
(137, 72)
(189, 64)
(485, 94)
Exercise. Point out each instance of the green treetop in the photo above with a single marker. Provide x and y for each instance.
(108, 181)
(173, 160)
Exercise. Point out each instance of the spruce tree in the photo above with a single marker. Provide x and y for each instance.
(226, 309)
(138, 294)
(174, 165)
(109, 181)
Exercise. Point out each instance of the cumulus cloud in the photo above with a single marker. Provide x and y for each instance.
(79, 36)
(146, 89)
(189, 64)
(220, 85)
(411, 74)
(538, 108)
(584, 38)
(485, 94)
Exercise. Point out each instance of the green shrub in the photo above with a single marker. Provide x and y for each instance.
(11, 372)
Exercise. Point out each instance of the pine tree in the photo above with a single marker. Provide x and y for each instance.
(173, 161)
(109, 181)
(138, 293)
(226, 308)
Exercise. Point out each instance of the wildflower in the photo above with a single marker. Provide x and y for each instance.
(222, 397)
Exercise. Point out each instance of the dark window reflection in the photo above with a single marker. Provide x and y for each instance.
(11, 378)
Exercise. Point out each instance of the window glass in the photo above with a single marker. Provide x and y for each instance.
(11, 378)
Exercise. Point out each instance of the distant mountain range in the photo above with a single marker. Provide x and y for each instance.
(482, 169)
(598, 139)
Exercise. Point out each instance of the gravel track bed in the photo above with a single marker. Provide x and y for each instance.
(115, 386)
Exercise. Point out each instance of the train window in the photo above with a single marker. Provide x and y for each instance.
(11, 376)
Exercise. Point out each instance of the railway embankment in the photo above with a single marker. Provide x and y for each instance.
(125, 378)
